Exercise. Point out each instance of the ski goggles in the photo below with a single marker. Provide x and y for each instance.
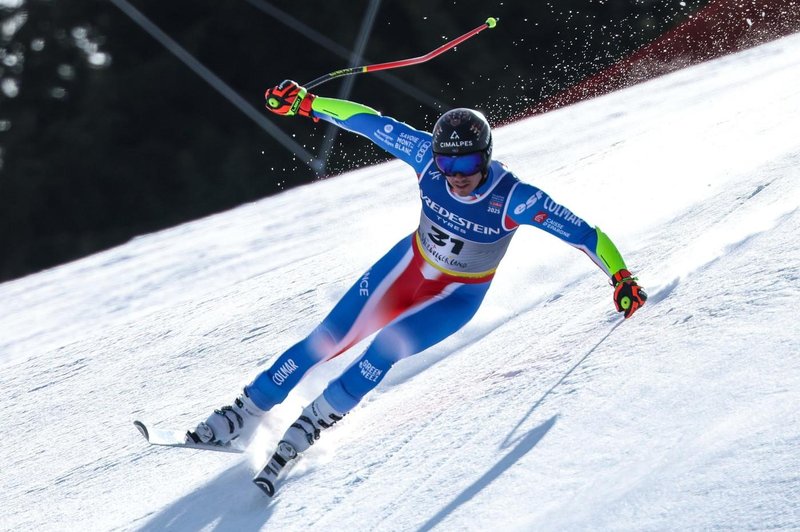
(468, 164)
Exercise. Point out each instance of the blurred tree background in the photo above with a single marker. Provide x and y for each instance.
(105, 134)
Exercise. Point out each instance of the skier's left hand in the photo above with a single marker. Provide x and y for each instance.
(628, 296)
(288, 99)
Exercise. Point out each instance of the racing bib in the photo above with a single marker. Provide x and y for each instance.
(455, 255)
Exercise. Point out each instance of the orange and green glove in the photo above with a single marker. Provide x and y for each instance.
(288, 99)
(628, 296)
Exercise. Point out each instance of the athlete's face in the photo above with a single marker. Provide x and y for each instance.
(464, 185)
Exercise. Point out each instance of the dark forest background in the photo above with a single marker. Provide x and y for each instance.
(105, 134)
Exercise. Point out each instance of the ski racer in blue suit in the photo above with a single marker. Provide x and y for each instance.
(430, 283)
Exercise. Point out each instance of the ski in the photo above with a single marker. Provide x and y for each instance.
(275, 471)
(177, 438)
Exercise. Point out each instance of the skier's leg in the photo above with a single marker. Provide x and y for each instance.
(420, 327)
(376, 298)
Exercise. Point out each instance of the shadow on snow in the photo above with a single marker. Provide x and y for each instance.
(228, 502)
(525, 444)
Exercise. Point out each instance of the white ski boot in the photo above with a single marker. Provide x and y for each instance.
(315, 417)
(301, 435)
(236, 421)
(267, 478)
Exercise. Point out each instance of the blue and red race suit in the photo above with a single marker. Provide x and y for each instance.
(431, 283)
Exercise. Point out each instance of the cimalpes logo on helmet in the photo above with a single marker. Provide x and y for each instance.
(461, 131)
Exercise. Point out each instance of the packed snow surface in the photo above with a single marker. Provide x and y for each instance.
(547, 412)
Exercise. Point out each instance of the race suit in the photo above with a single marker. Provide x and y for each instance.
(431, 283)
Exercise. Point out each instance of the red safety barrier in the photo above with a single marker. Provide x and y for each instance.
(721, 27)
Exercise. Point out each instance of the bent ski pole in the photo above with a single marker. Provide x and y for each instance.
(490, 23)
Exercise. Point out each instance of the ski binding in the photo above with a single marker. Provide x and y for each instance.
(177, 438)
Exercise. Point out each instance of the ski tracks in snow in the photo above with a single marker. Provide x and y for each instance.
(739, 213)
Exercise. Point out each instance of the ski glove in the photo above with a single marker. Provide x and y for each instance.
(288, 99)
(628, 296)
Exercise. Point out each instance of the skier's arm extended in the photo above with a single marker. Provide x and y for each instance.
(530, 206)
(399, 139)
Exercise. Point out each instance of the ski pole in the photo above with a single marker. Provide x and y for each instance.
(490, 23)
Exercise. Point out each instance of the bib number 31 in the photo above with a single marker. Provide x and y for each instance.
(440, 238)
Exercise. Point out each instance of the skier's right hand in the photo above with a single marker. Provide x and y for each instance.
(288, 99)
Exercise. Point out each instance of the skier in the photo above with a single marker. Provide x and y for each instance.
(430, 284)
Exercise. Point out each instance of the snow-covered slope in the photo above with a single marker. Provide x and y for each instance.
(546, 412)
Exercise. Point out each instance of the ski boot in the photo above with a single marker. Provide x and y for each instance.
(267, 478)
(233, 422)
(298, 438)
